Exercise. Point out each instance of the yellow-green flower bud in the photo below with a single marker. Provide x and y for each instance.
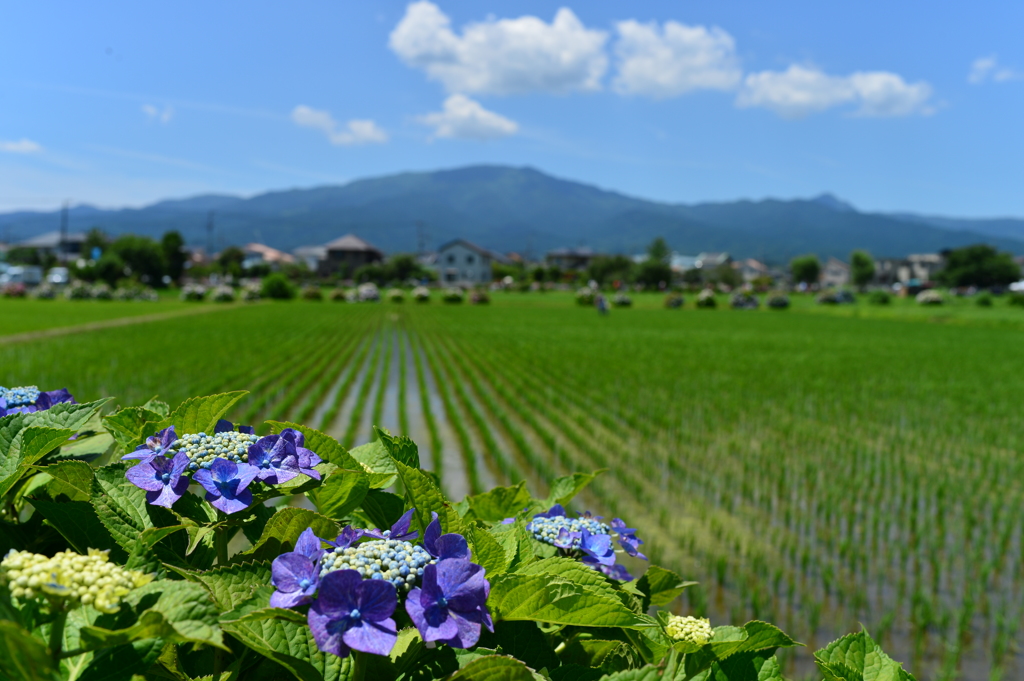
(689, 629)
(76, 578)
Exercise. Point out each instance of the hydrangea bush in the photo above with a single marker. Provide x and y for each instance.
(170, 544)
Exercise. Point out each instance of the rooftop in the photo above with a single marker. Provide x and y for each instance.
(52, 240)
(350, 242)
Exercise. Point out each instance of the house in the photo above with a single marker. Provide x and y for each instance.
(570, 258)
(835, 273)
(64, 246)
(709, 261)
(261, 254)
(460, 262)
(681, 263)
(347, 254)
(751, 269)
(311, 255)
(921, 266)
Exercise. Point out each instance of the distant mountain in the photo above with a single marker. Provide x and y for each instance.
(525, 210)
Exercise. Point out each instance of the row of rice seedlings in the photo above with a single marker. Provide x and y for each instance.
(331, 414)
(388, 343)
(315, 399)
(436, 445)
(362, 397)
(403, 407)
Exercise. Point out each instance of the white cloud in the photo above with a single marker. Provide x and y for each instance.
(356, 131)
(988, 68)
(799, 91)
(466, 119)
(157, 114)
(502, 56)
(22, 146)
(674, 60)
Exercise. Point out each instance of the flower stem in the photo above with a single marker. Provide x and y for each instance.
(358, 666)
(60, 616)
(220, 542)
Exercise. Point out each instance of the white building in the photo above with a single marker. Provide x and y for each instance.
(835, 273)
(460, 262)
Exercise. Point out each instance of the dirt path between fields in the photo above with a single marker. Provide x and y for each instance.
(110, 323)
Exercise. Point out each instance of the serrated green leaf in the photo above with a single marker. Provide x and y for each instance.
(500, 503)
(118, 664)
(382, 509)
(399, 447)
(157, 406)
(487, 552)
(142, 557)
(378, 464)
(564, 489)
(131, 426)
(426, 497)
(275, 634)
(67, 415)
(323, 445)
(231, 585)
(71, 479)
(28, 446)
(856, 657)
(23, 656)
(185, 606)
(561, 591)
(79, 524)
(755, 636)
(660, 586)
(340, 494)
(284, 527)
(760, 666)
(200, 414)
(494, 668)
(120, 505)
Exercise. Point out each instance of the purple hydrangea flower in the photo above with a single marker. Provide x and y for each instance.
(43, 401)
(155, 445)
(352, 613)
(348, 536)
(399, 531)
(276, 459)
(614, 571)
(296, 578)
(226, 484)
(307, 458)
(309, 545)
(553, 512)
(162, 478)
(444, 546)
(450, 607)
(628, 539)
(597, 548)
(225, 426)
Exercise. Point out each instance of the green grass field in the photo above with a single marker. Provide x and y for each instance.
(815, 467)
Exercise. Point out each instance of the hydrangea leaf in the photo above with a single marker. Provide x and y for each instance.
(523, 641)
(284, 527)
(67, 415)
(399, 447)
(376, 461)
(856, 657)
(325, 446)
(28, 446)
(117, 664)
(500, 503)
(10, 426)
(340, 494)
(200, 414)
(487, 552)
(71, 479)
(755, 636)
(610, 656)
(231, 585)
(142, 557)
(131, 426)
(660, 586)
(759, 666)
(120, 505)
(564, 489)
(79, 524)
(278, 635)
(574, 672)
(382, 509)
(494, 668)
(426, 497)
(517, 543)
(157, 406)
(23, 656)
(186, 607)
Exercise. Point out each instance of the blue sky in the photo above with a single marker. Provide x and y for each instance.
(892, 106)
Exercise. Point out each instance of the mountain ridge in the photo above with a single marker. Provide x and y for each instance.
(526, 210)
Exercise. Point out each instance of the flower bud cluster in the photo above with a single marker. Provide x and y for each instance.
(21, 396)
(202, 449)
(393, 560)
(690, 629)
(90, 579)
(547, 529)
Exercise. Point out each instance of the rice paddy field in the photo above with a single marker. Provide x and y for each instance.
(818, 468)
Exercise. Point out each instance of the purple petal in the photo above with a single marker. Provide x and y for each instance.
(437, 630)
(144, 476)
(246, 474)
(178, 465)
(468, 629)
(289, 569)
(324, 626)
(309, 545)
(142, 452)
(452, 546)
(376, 599)
(462, 582)
(168, 494)
(431, 534)
(223, 426)
(338, 592)
(400, 530)
(205, 478)
(292, 599)
(230, 504)
(51, 397)
(223, 470)
(377, 637)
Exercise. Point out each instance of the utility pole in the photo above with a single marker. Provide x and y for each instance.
(209, 234)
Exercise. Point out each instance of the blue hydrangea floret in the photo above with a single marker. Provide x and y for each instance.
(587, 538)
(394, 560)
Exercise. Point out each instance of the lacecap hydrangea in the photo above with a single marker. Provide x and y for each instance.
(587, 538)
(690, 629)
(354, 586)
(225, 463)
(89, 580)
(28, 399)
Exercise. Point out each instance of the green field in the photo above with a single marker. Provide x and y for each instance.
(815, 467)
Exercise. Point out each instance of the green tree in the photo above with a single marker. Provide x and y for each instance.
(173, 246)
(607, 268)
(109, 268)
(978, 265)
(278, 287)
(727, 274)
(806, 269)
(230, 261)
(659, 251)
(656, 271)
(95, 238)
(862, 268)
(143, 258)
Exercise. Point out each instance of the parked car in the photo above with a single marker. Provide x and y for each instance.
(29, 275)
(58, 276)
